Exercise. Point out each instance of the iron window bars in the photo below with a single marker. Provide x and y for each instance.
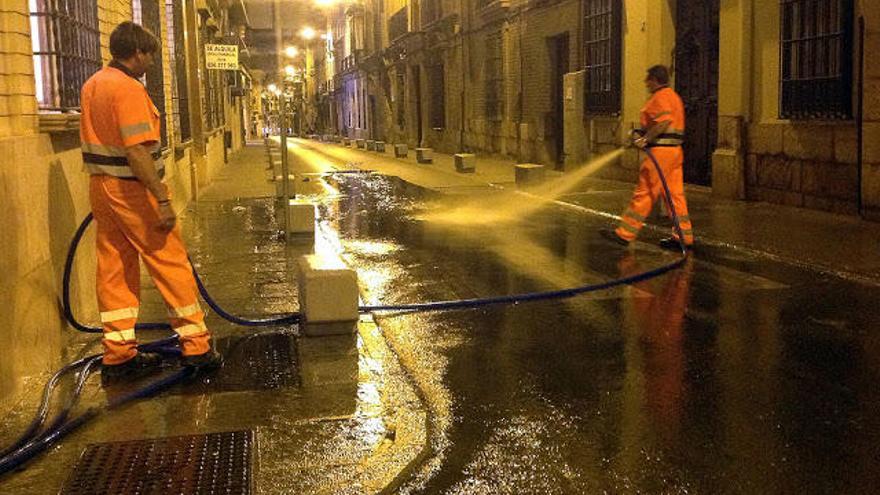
(177, 57)
(494, 76)
(146, 13)
(67, 51)
(602, 50)
(816, 59)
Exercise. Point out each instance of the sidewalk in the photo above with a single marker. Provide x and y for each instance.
(332, 414)
(831, 244)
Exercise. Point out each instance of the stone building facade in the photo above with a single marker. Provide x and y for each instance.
(562, 81)
(44, 189)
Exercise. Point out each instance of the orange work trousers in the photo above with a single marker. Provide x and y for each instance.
(127, 218)
(649, 189)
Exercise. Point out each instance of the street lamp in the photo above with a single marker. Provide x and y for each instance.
(291, 51)
(308, 33)
(290, 71)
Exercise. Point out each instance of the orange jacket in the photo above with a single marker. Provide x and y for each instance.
(665, 106)
(117, 113)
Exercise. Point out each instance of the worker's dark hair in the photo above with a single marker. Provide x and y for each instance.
(128, 38)
(659, 73)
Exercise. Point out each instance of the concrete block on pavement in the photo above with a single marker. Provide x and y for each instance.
(328, 290)
(300, 217)
(346, 142)
(465, 162)
(359, 143)
(400, 150)
(371, 145)
(529, 174)
(424, 155)
(380, 146)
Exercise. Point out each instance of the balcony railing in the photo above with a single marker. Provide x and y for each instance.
(398, 24)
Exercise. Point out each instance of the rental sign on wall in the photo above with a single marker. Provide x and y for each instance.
(221, 57)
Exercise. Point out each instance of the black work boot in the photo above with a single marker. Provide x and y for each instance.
(613, 237)
(203, 363)
(143, 363)
(673, 244)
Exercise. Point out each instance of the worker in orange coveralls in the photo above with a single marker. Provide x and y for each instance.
(662, 120)
(120, 137)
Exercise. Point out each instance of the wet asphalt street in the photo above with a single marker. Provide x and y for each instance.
(734, 374)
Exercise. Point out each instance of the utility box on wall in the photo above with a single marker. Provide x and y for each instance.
(576, 142)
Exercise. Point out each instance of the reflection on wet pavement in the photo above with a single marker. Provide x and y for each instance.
(731, 375)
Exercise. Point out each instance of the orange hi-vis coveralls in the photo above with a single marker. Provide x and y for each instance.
(117, 113)
(664, 106)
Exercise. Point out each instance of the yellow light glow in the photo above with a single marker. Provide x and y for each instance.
(325, 3)
(308, 33)
(291, 51)
(290, 70)
(272, 88)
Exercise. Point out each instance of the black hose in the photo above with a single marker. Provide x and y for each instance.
(36, 446)
(69, 316)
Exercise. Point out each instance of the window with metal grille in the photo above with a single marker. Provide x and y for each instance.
(494, 76)
(67, 51)
(177, 57)
(400, 93)
(816, 45)
(398, 24)
(602, 50)
(146, 13)
(437, 92)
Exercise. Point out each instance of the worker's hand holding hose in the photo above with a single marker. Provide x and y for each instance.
(167, 216)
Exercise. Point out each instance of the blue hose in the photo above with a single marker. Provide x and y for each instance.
(38, 445)
(30, 444)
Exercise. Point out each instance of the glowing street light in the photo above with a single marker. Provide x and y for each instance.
(290, 70)
(308, 33)
(291, 51)
(272, 88)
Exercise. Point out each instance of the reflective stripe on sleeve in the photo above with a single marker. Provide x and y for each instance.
(119, 314)
(135, 129)
(123, 172)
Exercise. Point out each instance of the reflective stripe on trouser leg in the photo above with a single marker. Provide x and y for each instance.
(676, 188)
(164, 255)
(643, 198)
(117, 279)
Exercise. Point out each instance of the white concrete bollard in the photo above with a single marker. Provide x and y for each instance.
(380, 146)
(465, 162)
(400, 150)
(328, 291)
(529, 174)
(300, 217)
(424, 155)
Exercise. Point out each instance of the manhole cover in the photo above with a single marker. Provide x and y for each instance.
(214, 463)
(250, 362)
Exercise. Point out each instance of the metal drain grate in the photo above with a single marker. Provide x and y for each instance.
(216, 463)
(251, 362)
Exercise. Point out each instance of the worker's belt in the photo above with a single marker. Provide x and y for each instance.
(669, 140)
(120, 161)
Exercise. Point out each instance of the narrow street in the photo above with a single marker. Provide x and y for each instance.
(734, 374)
